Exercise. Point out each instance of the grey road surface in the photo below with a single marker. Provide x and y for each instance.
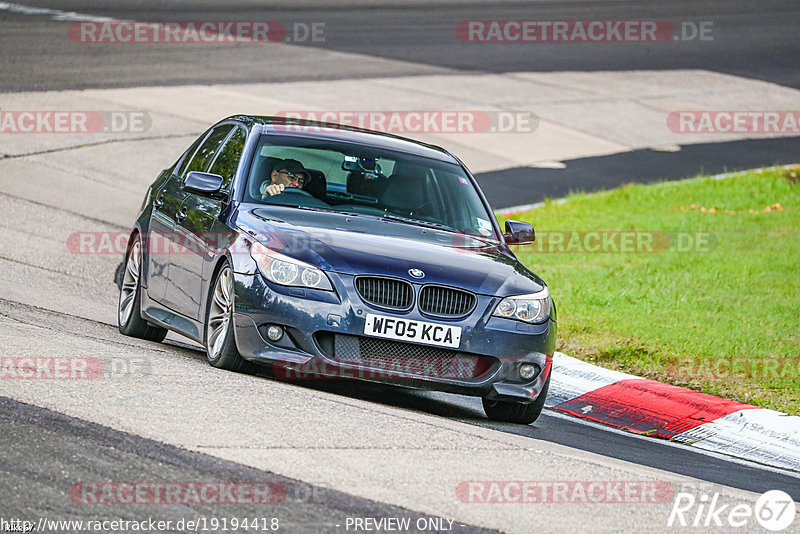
(44, 454)
(750, 39)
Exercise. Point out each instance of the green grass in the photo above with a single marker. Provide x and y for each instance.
(724, 319)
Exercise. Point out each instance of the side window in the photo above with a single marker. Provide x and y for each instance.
(227, 159)
(187, 156)
(206, 151)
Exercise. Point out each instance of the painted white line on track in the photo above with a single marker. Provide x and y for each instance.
(55, 14)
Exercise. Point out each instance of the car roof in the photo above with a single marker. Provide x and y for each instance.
(335, 132)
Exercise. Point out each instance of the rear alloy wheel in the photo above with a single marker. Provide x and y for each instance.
(221, 348)
(515, 412)
(129, 313)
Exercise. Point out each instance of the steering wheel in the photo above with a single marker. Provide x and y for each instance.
(296, 191)
(287, 190)
(298, 197)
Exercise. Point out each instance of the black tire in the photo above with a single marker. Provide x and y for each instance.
(515, 412)
(119, 273)
(129, 311)
(222, 353)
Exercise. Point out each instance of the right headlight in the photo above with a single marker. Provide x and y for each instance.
(532, 308)
(288, 271)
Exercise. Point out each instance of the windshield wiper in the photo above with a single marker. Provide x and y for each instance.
(389, 216)
(313, 208)
(418, 222)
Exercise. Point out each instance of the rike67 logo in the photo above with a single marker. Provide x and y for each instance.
(774, 510)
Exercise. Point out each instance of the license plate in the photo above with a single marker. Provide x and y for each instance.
(441, 335)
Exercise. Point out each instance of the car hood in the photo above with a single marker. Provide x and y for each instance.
(361, 245)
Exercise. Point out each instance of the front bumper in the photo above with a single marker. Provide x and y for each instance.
(311, 316)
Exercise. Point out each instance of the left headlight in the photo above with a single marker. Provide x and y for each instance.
(287, 271)
(532, 308)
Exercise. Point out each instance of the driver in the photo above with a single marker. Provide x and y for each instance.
(286, 173)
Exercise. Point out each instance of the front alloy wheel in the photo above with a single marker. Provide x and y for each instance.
(220, 345)
(129, 313)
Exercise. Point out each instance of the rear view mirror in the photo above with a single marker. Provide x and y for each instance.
(519, 233)
(364, 164)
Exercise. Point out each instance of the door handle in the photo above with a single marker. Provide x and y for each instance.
(181, 215)
(157, 203)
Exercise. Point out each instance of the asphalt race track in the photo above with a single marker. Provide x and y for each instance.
(340, 450)
(503, 187)
(752, 40)
(69, 447)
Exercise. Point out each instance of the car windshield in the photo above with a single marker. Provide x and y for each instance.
(369, 181)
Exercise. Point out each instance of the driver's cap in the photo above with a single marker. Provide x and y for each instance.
(293, 166)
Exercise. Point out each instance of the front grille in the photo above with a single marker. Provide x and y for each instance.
(389, 359)
(385, 292)
(446, 301)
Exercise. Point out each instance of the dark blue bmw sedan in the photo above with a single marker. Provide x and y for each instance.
(328, 251)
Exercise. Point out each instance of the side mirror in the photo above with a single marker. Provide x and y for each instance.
(519, 233)
(203, 183)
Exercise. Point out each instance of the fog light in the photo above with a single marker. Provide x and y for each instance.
(274, 332)
(527, 371)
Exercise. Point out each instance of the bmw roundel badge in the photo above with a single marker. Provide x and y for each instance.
(416, 273)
